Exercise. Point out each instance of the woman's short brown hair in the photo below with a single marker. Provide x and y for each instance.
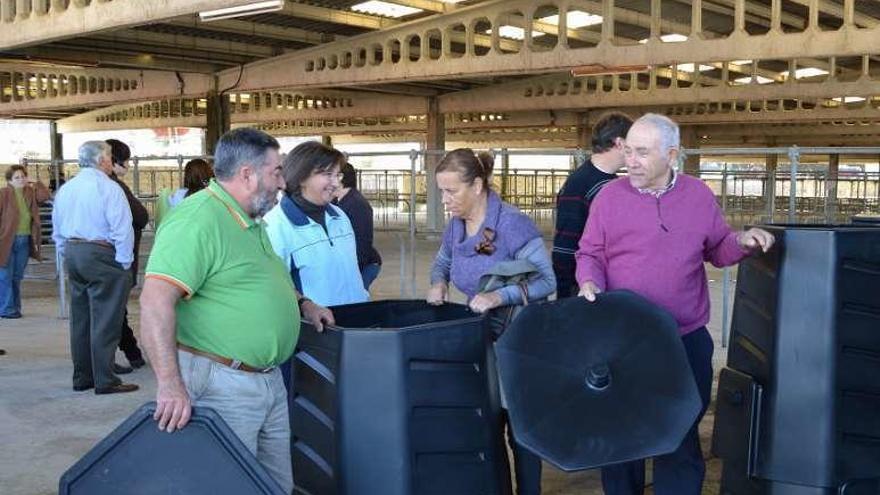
(13, 169)
(306, 159)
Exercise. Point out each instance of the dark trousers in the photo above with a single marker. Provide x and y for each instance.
(564, 267)
(99, 289)
(681, 472)
(526, 465)
(128, 344)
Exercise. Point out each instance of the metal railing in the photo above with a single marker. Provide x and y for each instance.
(145, 183)
(399, 197)
(748, 199)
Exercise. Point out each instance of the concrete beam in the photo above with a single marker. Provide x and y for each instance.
(248, 28)
(326, 104)
(88, 57)
(253, 109)
(564, 92)
(32, 22)
(353, 61)
(26, 88)
(147, 39)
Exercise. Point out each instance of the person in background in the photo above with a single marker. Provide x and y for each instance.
(360, 213)
(92, 229)
(483, 232)
(579, 190)
(20, 235)
(196, 175)
(652, 233)
(120, 154)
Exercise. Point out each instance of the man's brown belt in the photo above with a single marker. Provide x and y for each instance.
(232, 363)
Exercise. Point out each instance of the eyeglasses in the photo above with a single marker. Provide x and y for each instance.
(485, 246)
(332, 176)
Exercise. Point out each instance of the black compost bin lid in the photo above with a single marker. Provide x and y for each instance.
(592, 384)
(137, 459)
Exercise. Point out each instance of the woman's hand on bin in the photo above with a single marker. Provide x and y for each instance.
(486, 301)
(317, 315)
(437, 294)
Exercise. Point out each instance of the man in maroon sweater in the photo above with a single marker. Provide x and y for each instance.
(650, 233)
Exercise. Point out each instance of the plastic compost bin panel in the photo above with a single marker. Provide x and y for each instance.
(806, 329)
(396, 398)
(205, 457)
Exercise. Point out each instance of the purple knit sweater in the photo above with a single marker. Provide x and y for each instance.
(656, 246)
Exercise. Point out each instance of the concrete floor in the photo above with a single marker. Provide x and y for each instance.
(45, 426)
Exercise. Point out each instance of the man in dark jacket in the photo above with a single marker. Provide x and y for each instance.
(573, 200)
(121, 153)
(359, 211)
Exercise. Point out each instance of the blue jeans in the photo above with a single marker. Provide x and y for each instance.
(369, 274)
(11, 275)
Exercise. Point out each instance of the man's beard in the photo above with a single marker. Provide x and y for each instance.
(263, 200)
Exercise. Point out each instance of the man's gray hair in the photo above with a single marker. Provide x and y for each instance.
(237, 147)
(670, 135)
(90, 153)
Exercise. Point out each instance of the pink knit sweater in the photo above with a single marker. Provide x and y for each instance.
(656, 246)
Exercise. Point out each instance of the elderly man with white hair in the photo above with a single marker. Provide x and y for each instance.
(92, 228)
(651, 233)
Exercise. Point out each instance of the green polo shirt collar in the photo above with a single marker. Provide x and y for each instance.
(217, 191)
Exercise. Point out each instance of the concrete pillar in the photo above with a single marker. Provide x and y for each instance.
(435, 142)
(584, 132)
(56, 153)
(327, 140)
(505, 172)
(771, 163)
(689, 140)
(831, 188)
(218, 120)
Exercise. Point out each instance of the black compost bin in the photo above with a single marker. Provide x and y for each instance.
(873, 220)
(395, 399)
(798, 409)
(204, 458)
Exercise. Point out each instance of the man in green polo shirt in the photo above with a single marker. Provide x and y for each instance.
(219, 312)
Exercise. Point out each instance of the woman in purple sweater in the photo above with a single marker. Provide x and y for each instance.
(484, 231)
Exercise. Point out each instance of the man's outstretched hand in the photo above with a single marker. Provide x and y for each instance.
(755, 238)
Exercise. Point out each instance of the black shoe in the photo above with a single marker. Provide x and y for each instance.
(119, 388)
(137, 362)
(80, 388)
(121, 370)
(2, 352)
(14, 316)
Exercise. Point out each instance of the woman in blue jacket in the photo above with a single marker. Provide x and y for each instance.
(313, 237)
